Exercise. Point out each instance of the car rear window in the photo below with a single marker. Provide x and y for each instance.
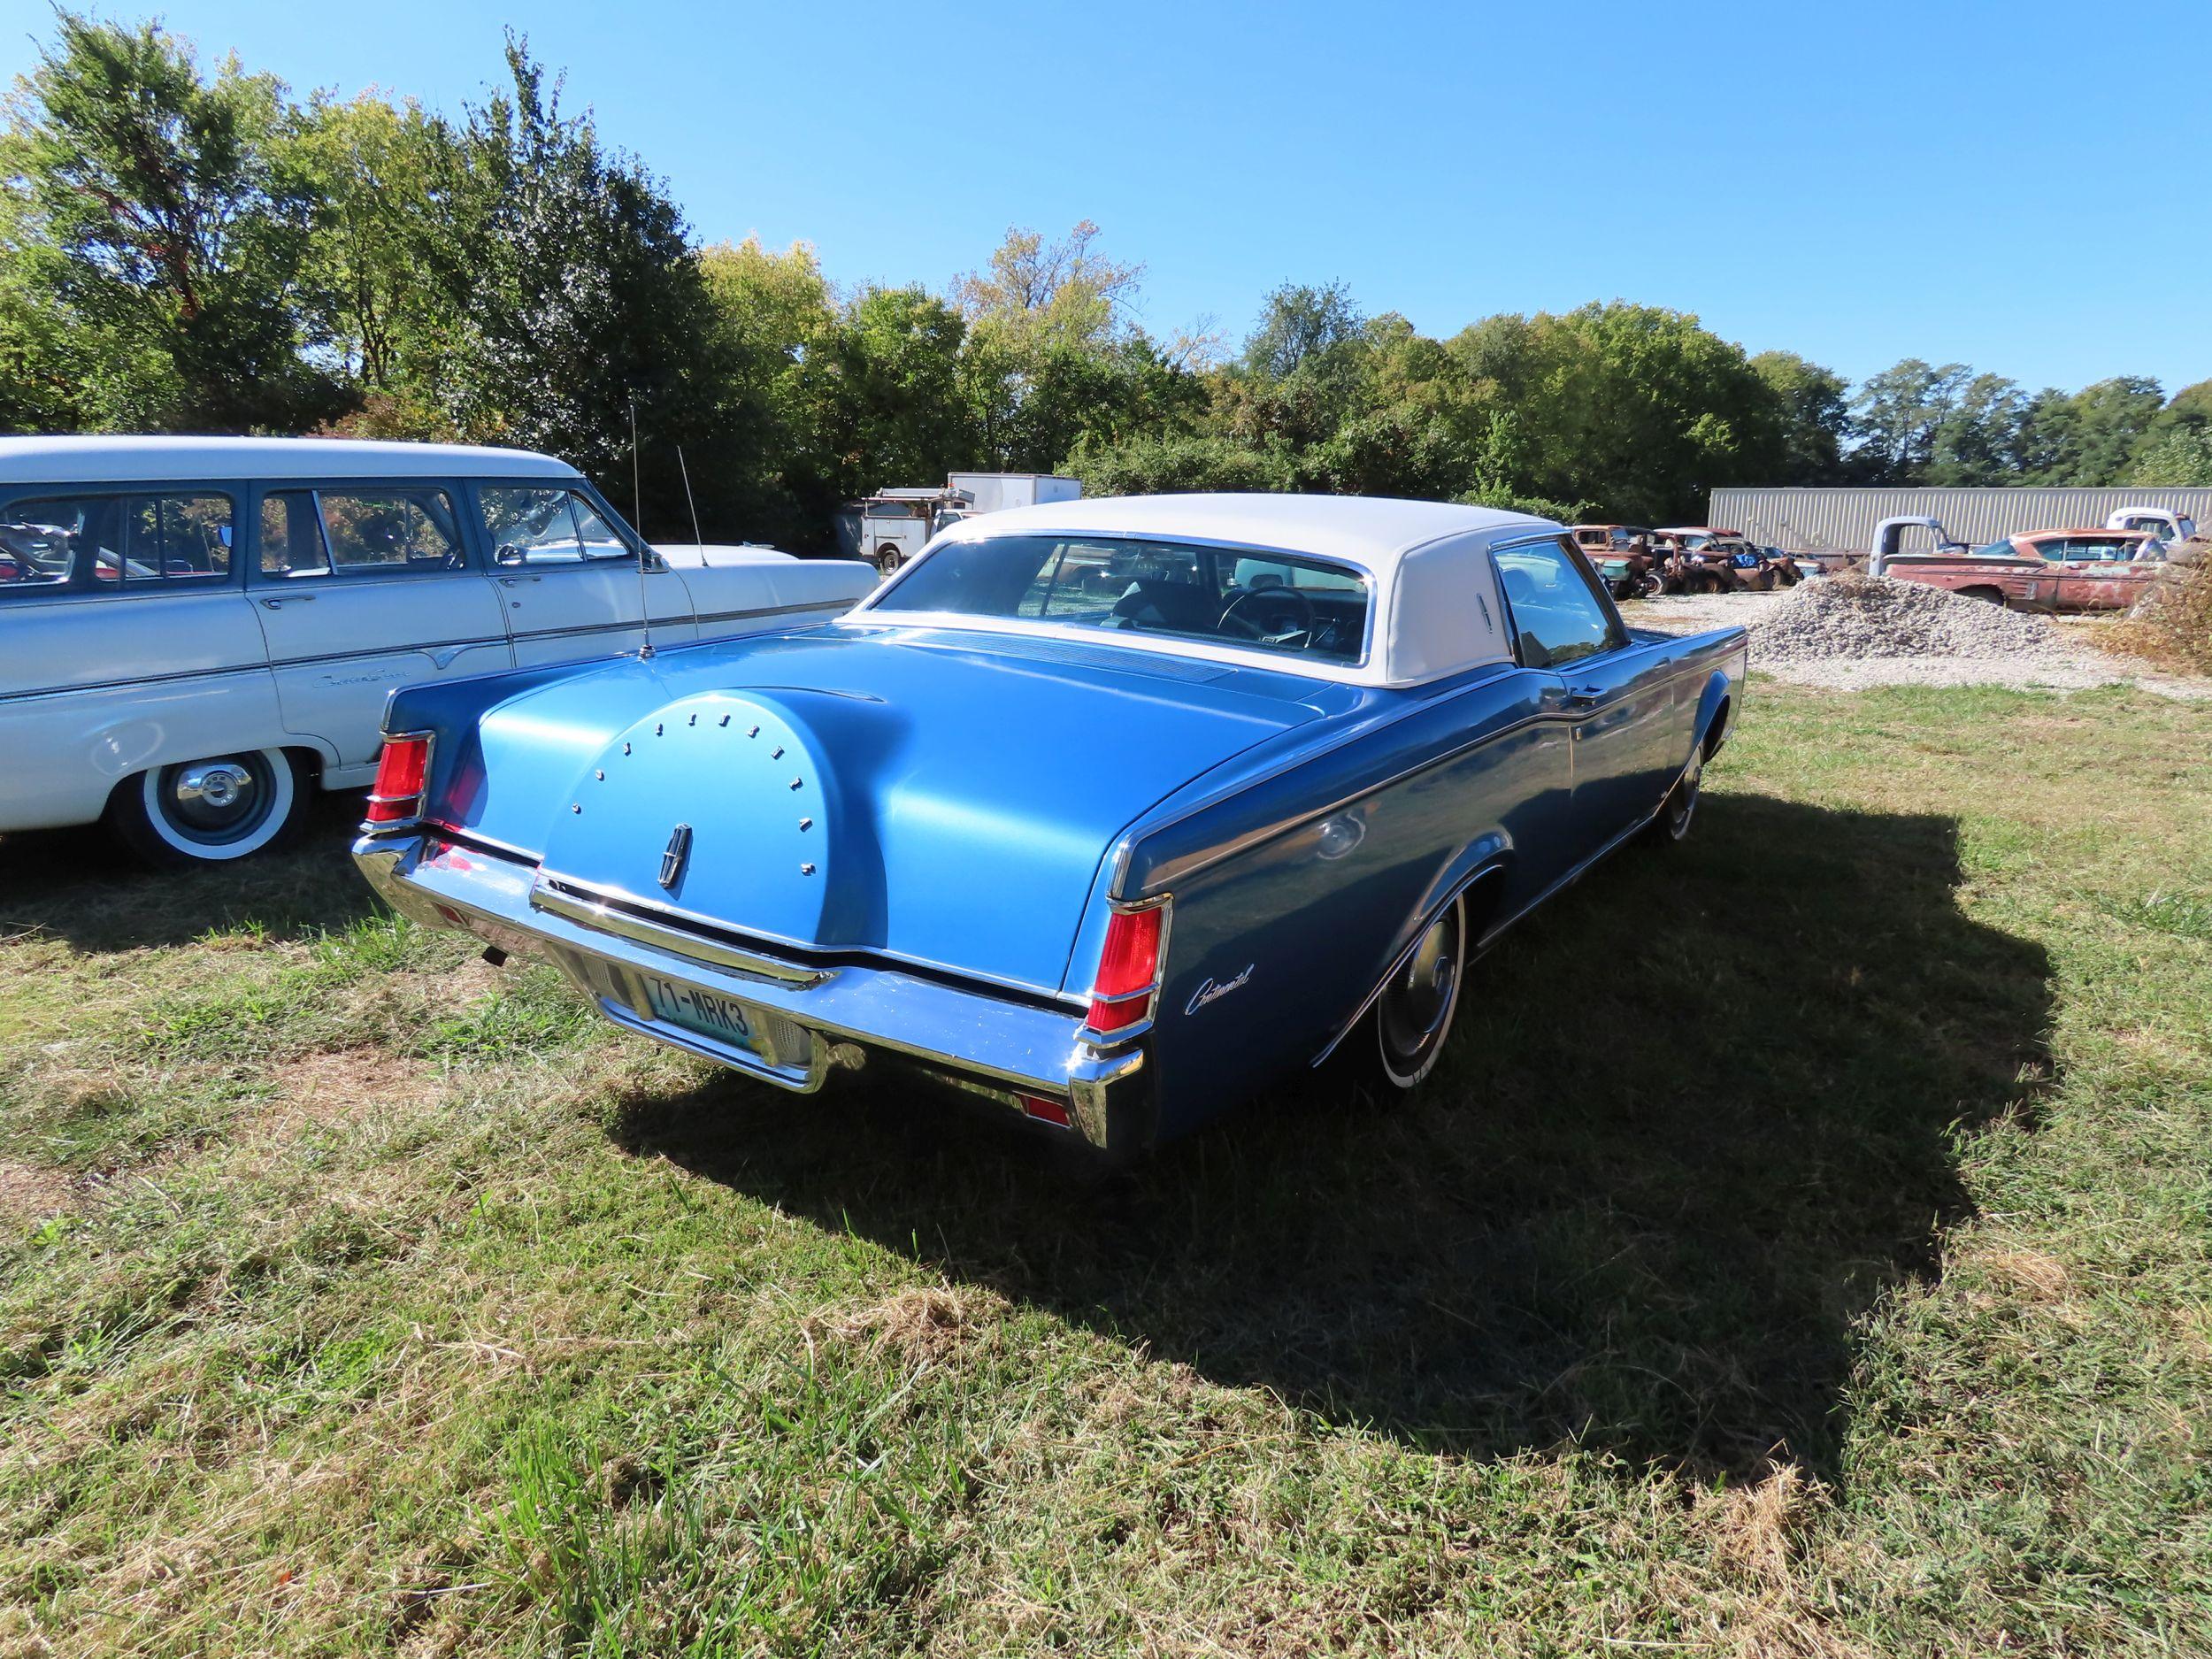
(1248, 597)
(148, 542)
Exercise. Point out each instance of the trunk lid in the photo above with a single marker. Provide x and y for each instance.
(923, 794)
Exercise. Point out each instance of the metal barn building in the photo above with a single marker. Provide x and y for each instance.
(1843, 520)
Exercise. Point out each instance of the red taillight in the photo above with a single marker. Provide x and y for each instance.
(397, 793)
(1128, 969)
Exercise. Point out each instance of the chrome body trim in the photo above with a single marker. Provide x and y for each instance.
(852, 1015)
(564, 900)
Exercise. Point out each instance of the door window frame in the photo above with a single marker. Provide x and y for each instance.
(234, 491)
(1572, 556)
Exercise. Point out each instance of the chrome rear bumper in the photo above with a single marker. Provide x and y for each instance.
(811, 1021)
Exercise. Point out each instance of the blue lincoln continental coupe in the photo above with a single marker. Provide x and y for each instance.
(1110, 812)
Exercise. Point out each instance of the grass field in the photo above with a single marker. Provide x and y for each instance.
(1805, 1248)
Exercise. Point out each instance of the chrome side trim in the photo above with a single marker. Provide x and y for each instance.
(548, 897)
(1179, 872)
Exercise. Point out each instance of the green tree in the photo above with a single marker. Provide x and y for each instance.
(371, 278)
(2181, 456)
(1814, 412)
(1640, 409)
(157, 232)
(577, 293)
(886, 402)
(2086, 438)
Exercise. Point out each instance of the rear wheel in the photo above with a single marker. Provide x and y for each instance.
(1413, 1016)
(889, 557)
(1989, 595)
(1681, 806)
(210, 811)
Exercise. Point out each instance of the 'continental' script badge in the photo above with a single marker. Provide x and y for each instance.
(678, 855)
(1214, 990)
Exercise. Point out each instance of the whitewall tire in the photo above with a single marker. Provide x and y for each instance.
(1413, 1016)
(210, 811)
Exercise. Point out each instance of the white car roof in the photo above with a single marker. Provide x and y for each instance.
(1435, 609)
(1371, 532)
(103, 459)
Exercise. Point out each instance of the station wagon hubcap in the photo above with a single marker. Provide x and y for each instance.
(215, 799)
(1417, 1005)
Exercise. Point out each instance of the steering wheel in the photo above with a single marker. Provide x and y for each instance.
(1252, 629)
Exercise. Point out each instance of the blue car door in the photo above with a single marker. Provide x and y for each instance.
(1612, 693)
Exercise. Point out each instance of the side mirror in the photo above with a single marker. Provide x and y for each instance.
(507, 554)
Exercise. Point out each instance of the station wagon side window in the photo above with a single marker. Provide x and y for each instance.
(547, 529)
(146, 542)
(1558, 617)
(399, 530)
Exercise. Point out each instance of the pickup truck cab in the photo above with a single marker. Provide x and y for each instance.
(195, 634)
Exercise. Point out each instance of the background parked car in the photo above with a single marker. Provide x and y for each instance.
(2042, 570)
(195, 634)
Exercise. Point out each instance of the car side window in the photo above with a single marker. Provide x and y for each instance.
(547, 528)
(111, 543)
(292, 535)
(389, 530)
(1557, 616)
(366, 531)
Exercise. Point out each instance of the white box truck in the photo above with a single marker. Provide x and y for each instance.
(892, 526)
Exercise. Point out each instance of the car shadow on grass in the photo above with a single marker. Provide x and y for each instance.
(1696, 1117)
(82, 885)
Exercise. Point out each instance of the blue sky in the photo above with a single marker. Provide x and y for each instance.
(2023, 187)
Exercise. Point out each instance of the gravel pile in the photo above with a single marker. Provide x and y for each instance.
(1861, 617)
(1851, 632)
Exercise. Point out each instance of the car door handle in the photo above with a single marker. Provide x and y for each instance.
(510, 581)
(1584, 696)
(297, 599)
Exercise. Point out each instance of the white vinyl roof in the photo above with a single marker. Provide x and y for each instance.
(1434, 607)
(93, 460)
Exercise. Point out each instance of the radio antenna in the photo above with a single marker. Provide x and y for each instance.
(697, 541)
(645, 547)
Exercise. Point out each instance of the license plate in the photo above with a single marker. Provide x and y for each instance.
(704, 1012)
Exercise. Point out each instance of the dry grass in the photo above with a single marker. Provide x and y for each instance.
(2173, 627)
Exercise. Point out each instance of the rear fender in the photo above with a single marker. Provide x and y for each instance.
(1716, 713)
(1478, 875)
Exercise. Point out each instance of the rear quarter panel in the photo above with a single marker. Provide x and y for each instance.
(1305, 880)
(96, 689)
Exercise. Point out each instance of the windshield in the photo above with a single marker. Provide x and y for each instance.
(2002, 548)
(1263, 601)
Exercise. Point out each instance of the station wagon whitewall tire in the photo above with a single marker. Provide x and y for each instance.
(210, 811)
(1413, 1016)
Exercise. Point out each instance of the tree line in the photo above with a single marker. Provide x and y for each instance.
(185, 248)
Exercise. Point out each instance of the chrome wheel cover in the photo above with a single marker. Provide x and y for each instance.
(215, 801)
(1417, 1005)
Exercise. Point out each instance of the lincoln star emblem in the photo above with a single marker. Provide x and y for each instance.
(678, 855)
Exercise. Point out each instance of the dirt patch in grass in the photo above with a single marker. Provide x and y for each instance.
(28, 1194)
(323, 1090)
(921, 1324)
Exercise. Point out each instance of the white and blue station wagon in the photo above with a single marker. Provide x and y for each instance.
(196, 633)
(1109, 811)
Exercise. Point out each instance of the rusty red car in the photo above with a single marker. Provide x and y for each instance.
(2039, 570)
